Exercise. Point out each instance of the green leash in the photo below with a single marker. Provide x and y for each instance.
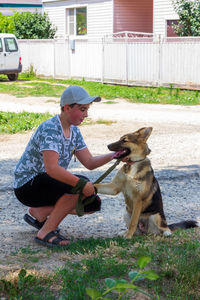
(80, 185)
(107, 172)
(78, 190)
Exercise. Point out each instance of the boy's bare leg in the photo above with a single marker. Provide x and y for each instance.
(41, 213)
(61, 209)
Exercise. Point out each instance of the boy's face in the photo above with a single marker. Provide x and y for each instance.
(77, 113)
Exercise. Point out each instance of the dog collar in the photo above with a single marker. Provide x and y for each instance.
(131, 162)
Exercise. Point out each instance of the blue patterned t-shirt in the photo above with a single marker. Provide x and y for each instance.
(48, 136)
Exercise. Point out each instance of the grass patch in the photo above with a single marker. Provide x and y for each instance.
(36, 89)
(11, 123)
(28, 285)
(88, 121)
(54, 88)
(87, 263)
(19, 122)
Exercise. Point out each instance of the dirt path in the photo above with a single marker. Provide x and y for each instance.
(175, 145)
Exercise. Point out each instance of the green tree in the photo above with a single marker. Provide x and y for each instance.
(6, 24)
(33, 26)
(189, 17)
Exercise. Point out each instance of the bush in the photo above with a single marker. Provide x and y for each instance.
(6, 24)
(189, 17)
(33, 26)
(27, 25)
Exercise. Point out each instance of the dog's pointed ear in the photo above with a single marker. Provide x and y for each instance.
(144, 133)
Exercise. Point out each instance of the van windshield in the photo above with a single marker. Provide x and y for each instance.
(10, 45)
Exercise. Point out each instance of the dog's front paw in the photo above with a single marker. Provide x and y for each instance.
(122, 233)
(167, 233)
(128, 235)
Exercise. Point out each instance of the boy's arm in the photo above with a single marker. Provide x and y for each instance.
(93, 162)
(55, 171)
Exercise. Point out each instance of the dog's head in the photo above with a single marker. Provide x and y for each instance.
(132, 145)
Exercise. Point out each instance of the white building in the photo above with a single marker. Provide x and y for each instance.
(96, 14)
(98, 18)
(164, 14)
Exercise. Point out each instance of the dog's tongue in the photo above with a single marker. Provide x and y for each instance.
(118, 153)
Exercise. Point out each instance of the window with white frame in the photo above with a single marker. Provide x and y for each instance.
(76, 21)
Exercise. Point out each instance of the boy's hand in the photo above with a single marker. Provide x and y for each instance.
(88, 189)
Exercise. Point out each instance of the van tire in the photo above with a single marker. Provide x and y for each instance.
(12, 77)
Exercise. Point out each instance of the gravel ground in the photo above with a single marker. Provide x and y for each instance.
(175, 145)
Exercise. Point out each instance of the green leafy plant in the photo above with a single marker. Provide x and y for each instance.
(197, 94)
(33, 26)
(189, 17)
(30, 72)
(177, 93)
(14, 288)
(171, 89)
(122, 286)
(6, 24)
(28, 25)
(23, 279)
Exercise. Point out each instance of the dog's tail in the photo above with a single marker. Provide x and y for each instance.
(184, 225)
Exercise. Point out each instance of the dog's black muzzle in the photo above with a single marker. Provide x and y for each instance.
(121, 151)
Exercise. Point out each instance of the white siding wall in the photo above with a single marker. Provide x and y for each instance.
(57, 17)
(163, 10)
(99, 15)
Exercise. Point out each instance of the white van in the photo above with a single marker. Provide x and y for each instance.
(10, 59)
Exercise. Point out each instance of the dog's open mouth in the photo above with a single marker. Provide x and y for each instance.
(121, 153)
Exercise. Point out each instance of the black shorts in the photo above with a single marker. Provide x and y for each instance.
(44, 190)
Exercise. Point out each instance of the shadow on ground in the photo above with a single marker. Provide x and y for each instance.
(172, 172)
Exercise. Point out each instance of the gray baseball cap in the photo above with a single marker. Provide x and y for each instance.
(76, 94)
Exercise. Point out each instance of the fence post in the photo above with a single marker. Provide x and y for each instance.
(102, 67)
(29, 63)
(68, 57)
(127, 70)
(28, 57)
(54, 60)
(159, 60)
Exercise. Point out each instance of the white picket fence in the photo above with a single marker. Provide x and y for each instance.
(134, 61)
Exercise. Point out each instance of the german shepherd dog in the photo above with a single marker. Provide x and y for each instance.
(136, 180)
